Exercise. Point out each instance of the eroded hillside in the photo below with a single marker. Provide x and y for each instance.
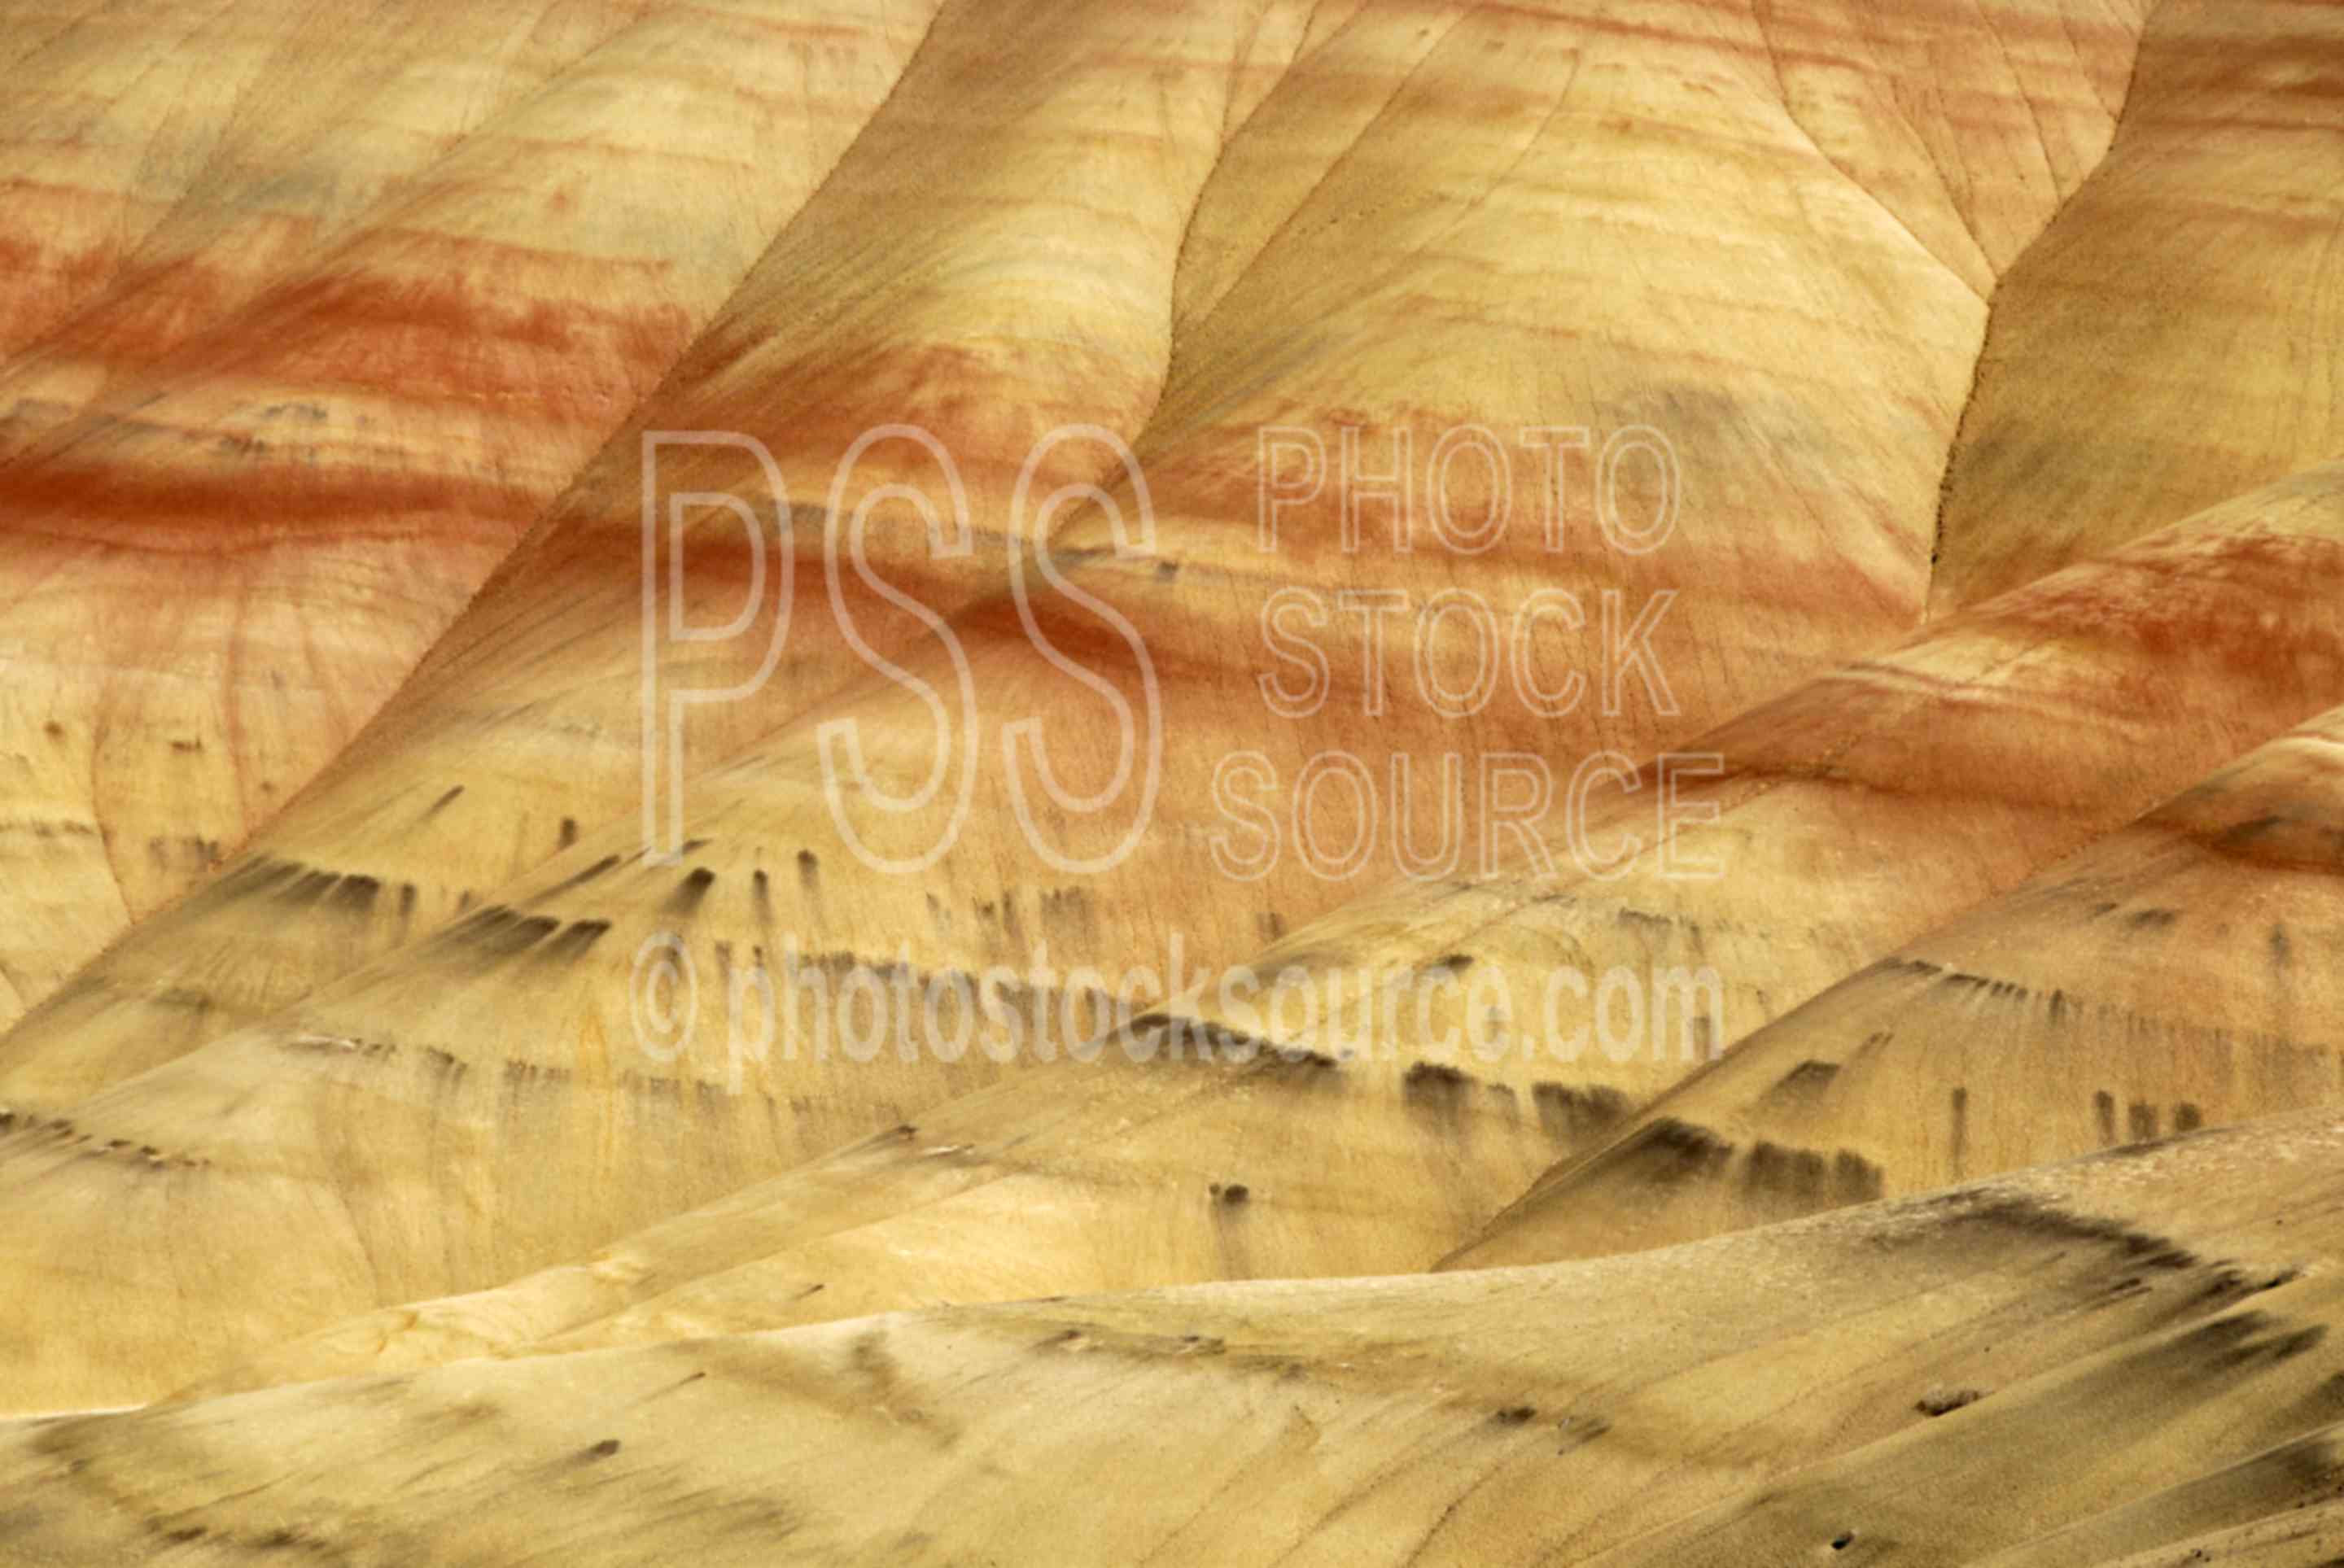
(1171, 781)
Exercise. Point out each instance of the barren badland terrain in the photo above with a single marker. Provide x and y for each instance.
(1196, 782)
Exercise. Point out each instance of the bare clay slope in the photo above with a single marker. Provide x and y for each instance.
(121, 110)
(2171, 340)
(925, 286)
(499, 1051)
(505, 1058)
(1378, 1140)
(1396, 201)
(283, 483)
(2134, 1349)
(1316, 302)
(2177, 974)
(251, 163)
(394, 1052)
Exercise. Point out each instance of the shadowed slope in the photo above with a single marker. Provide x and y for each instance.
(1377, 1151)
(2133, 1322)
(220, 568)
(2171, 340)
(2178, 973)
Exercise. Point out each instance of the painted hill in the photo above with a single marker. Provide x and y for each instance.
(2068, 1366)
(1378, 1141)
(2165, 979)
(1093, 781)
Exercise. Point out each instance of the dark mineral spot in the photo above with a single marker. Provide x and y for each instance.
(1574, 1114)
(2139, 1248)
(1516, 1415)
(1944, 1401)
(310, 887)
(497, 932)
(1671, 1150)
(2241, 834)
(1856, 1178)
(604, 1449)
(1578, 1431)
(576, 938)
(1795, 1173)
(1436, 1087)
(1069, 905)
(579, 878)
(689, 892)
